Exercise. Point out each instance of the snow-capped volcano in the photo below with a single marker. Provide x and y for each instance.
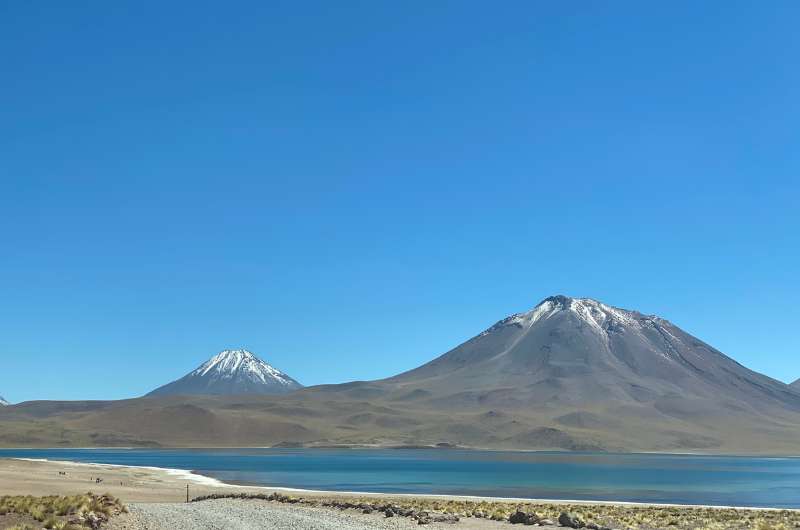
(3, 402)
(231, 372)
(582, 352)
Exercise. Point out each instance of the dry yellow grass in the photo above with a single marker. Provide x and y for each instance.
(638, 517)
(57, 512)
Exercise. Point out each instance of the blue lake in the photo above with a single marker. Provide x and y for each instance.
(719, 480)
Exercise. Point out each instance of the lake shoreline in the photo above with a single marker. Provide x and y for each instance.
(157, 498)
(180, 477)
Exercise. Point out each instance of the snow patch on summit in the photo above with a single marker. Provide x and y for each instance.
(526, 320)
(3, 402)
(603, 320)
(598, 316)
(231, 364)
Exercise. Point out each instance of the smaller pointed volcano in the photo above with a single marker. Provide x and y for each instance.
(231, 372)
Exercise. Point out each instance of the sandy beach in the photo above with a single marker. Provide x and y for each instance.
(157, 499)
(131, 484)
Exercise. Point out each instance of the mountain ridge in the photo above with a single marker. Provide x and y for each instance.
(569, 374)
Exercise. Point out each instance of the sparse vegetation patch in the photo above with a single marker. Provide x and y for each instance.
(72, 512)
(589, 516)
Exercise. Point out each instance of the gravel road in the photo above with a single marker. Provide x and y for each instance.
(235, 514)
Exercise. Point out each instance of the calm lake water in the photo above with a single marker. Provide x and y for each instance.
(720, 480)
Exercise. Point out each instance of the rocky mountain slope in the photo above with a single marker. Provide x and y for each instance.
(796, 384)
(571, 373)
(231, 372)
(580, 351)
(579, 374)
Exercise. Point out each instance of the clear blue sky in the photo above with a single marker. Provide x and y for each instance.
(349, 189)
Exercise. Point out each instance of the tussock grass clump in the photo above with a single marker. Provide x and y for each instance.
(70, 512)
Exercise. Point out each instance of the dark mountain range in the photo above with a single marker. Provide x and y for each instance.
(228, 373)
(571, 374)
